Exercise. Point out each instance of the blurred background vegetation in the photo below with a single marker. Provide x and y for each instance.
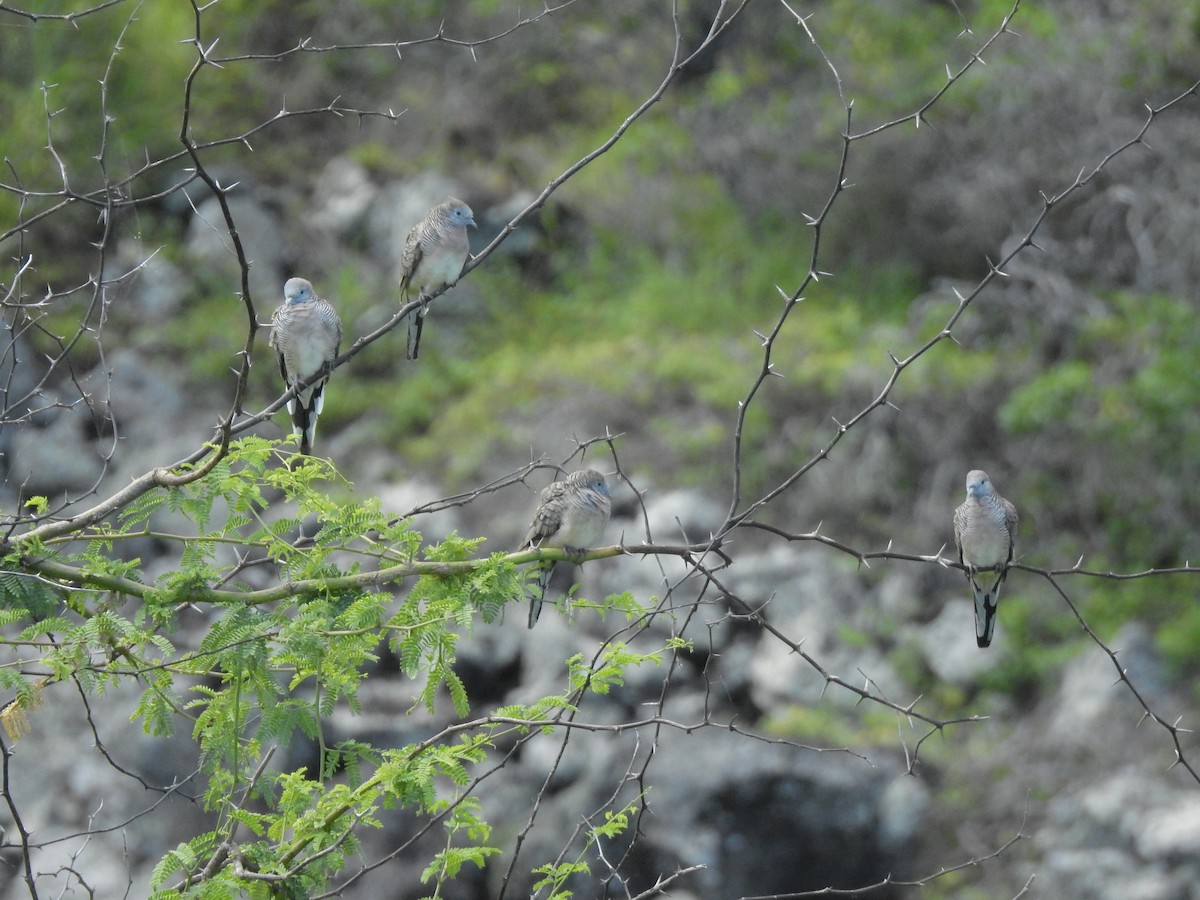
(1075, 380)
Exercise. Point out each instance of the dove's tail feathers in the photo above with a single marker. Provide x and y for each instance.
(985, 617)
(304, 418)
(415, 324)
(985, 609)
(538, 598)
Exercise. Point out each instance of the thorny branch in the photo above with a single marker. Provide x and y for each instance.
(705, 560)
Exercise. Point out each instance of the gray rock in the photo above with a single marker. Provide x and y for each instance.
(22, 369)
(156, 286)
(1124, 835)
(902, 813)
(528, 238)
(342, 196)
(211, 249)
(810, 600)
(1172, 832)
(771, 820)
(58, 786)
(400, 497)
(1103, 873)
(60, 458)
(1087, 697)
(682, 516)
(143, 395)
(1142, 661)
(948, 643)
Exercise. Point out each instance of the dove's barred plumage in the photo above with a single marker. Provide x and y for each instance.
(985, 528)
(435, 251)
(571, 514)
(306, 335)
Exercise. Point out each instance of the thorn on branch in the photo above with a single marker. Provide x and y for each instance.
(996, 269)
(204, 54)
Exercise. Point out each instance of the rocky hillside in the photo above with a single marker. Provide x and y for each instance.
(824, 718)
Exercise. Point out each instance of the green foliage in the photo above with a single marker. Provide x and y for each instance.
(611, 308)
(63, 79)
(37, 505)
(658, 311)
(1153, 337)
(830, 726)
(1041, 636)
(608, 670)
(274, 664)
(1179, 638)
(893, 60)
(1119, 394)
(556, 875)
(23, 595)
(1165, 604)
(464, 818)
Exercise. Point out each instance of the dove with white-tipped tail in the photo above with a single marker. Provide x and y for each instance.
(306, 334)
(571, 514)
(985, 528)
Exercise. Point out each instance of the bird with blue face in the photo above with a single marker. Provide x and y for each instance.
(571, 514)
(985, 528)
(306, 333)
(435, 251)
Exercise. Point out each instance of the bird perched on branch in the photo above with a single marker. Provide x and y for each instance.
(434, 254)
(306, 335)
(985, 527)
(571, 514)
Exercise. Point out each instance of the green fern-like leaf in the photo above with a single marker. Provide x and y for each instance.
(182, 859)
(157, 704)
(141, 509)
(27, 594)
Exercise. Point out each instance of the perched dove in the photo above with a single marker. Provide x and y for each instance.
(306, 336)
(985, 527)
(571, 514)
(434, 254)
